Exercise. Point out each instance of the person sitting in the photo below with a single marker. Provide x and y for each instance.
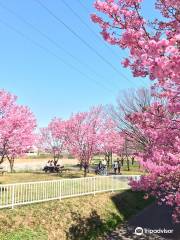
(46, 168)
(55, 162)
(51, 166)
(48, 164)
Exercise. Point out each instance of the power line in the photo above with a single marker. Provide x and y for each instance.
(90, 29)
(50, 52)
(87, 26)
(58, 19)
(50, 39)
(105, 43)
(84, 6)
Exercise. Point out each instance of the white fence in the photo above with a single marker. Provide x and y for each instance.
(32, 192)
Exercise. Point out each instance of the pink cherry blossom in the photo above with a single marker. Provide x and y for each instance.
(17, 125)
(52, 139)
(154, 52)
(83, 138)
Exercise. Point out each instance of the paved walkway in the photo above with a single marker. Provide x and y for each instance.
(153, 217)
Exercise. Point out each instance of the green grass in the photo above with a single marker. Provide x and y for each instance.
(25, 234)
(82, 218)
(40, 191)
(54, 189)
(29, 176)
(38, 176)
(134, 170)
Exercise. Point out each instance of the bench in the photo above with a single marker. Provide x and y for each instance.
(55, 169)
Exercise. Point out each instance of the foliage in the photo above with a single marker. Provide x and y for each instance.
(112, 141)
(154, 51)
(17, 125)
(83, 135)
(52, 139)
(57, 219)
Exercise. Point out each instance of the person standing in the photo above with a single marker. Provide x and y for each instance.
(104, 165)
(119, 166)
(122, 161)
(99, 165)
(98, 168)
(115, 166)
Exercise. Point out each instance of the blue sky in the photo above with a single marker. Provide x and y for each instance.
(31, 65)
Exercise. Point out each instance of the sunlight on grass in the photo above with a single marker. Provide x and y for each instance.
(19, 177)
(82, 218)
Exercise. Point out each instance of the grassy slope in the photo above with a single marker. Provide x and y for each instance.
(74, 218)
(77, 218)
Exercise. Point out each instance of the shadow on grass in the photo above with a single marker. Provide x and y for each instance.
(128, 203)
(91, 227)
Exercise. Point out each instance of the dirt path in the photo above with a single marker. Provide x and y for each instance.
(35, 164)
(153, 217)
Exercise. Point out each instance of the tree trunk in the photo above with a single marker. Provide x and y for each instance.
(122, 160)
(85, 171)
(3, 152)
(108, 159)
(11, 162)
(2, 159)
(132, 159)
(80, 166)
(86, 168)
(128, 164)
(111, 158)
(126, 151)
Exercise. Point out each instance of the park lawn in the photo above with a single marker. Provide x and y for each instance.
(81, 218)
(134, 170)
(50, 189)
(18, 177)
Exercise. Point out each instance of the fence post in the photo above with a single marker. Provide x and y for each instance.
(13, 195)
(94, 186)
(60, 197)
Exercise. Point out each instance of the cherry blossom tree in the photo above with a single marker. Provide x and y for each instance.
(52, 139)
(112, 140)
(83, 135)
(154, 52)
(17, 125)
